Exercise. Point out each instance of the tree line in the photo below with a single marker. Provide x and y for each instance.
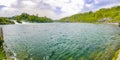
(113, 14)
(31, 18)
(4, 20)
(24, 17)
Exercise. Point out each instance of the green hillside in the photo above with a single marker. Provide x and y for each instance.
(4, 20)
(31, 18)
(102, 15)
(24, 17)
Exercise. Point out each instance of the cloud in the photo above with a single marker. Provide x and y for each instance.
(89, 1)
(57, 10)
(93, 5)
(7, 3)
(52, 8)
(2, 6)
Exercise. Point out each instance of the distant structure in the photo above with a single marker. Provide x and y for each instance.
(36, 14)
(119, 24)
(67, 19)
(104, 20)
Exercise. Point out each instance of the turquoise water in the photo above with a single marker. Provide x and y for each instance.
(61, 41)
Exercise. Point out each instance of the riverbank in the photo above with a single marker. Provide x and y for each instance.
(113, 23)
(1, 50)
(118, 56)
(2, 53)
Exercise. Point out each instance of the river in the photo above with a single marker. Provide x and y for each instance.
(61, 41)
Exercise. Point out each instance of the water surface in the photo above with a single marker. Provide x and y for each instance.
(61, 41)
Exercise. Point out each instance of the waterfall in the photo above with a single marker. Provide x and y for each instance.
(15, 21)
(23, 22)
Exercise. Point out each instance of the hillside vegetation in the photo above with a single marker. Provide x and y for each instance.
(4, 20)
(24, 17)
(102, 15)
(31, 18)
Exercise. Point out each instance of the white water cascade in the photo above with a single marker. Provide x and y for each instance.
(15, 21)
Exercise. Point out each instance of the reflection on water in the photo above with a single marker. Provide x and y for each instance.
(61, 41)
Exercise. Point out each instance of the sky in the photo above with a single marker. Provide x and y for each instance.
(54, 9)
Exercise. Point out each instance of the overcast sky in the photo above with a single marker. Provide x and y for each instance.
(54, 9)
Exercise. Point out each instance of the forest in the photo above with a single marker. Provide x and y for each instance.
(102, 15)
(24, 17)
(31, 18)
(4, 20)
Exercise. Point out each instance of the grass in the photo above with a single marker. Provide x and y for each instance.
(116, 55)
(1, 53)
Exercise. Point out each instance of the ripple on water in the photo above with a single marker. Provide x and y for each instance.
(61, 41)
